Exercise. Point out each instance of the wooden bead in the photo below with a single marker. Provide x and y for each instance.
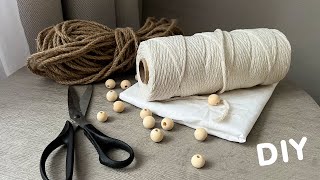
(110, 84)
(198, 161)
(112, 95)
(102, 116)
(145, 112)
(149, 122)
(167, 124)
(125, 84)
(200, 134)
(214, 99)
(156, 135)
(118, 106)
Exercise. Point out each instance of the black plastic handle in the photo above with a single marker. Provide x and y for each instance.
(103, 143)
(65, 138)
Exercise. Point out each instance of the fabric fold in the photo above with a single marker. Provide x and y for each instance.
(245, 107)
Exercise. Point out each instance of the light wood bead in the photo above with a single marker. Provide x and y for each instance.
(110, 83)
(112, 95)
(214, 99)
(118, 106)
(102, 116)
(145, 112)
(200, 134)
(156, 135)
(198, 161)
(167, 124)
(148, 122)
(125, 84)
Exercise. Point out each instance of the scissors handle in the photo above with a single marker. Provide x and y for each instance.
(103, 143)
(64, 138)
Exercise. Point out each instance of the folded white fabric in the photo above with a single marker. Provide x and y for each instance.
(245, 107)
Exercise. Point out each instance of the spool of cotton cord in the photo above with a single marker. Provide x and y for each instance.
(211, 62)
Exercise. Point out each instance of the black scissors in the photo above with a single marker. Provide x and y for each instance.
(101, 142)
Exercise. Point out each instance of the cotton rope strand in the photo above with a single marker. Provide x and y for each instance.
(82, 52)
(223, 102)
(211, 62)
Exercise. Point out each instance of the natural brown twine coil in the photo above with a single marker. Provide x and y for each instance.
(82, 52)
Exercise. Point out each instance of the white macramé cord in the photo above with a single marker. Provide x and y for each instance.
(226, 110)
(213, 62)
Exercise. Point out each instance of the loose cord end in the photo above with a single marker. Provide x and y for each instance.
(226, 110)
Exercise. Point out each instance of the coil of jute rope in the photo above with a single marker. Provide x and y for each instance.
(82, 52)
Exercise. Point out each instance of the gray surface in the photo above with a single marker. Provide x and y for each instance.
(2, 72)
(101, 11)
(128, 13)
(298, 20)
(36, 15)
(33, 111)
(119, 13)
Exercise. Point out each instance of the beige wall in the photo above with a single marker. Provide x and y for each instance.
(299, 20)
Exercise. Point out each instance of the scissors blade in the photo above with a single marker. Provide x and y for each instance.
(85, 100)
(73, 104)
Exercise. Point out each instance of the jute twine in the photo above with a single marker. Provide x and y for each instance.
(82, 52)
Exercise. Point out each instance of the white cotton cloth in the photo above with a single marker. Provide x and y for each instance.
(245, 107)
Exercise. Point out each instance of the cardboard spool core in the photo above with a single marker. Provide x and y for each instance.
(144, 71)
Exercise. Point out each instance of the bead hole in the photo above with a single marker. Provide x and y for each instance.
(198, 156)
(164, 123)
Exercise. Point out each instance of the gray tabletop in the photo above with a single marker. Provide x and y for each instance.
(33, 111)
